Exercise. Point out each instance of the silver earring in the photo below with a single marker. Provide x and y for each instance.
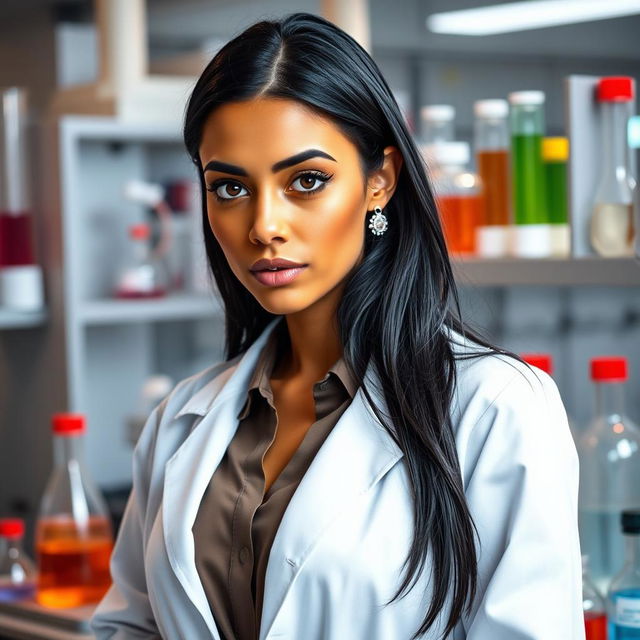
(378, 222)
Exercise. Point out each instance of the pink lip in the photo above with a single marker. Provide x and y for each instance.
(278, 278)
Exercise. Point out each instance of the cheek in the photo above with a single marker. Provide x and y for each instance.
(339, 239)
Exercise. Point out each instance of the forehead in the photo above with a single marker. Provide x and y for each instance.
(269, 129)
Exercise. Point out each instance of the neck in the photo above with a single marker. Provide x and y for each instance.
(314, 341)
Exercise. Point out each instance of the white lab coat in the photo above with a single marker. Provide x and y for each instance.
(338, 551)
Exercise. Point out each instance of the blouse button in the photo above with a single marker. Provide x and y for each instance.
(244, 555)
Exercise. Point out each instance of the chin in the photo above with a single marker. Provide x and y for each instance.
(281, 302)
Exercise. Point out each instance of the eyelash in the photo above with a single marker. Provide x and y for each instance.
(319, 175)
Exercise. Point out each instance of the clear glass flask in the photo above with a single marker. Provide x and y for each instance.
(17, 571)
(593, 606)
(74, 537)
(623, 598)
(612, 226)
(609, 452)
(491, 140)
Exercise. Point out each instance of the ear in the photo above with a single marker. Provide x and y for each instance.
(382, 183)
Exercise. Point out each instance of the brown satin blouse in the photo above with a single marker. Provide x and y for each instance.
(237, 522)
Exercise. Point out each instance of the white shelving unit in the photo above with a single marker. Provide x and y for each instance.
(113, 345)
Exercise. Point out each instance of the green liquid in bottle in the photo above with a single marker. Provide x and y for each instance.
(529, 194)
(556, 177)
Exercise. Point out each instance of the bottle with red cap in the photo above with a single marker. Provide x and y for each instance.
(74, 537)
(612, 227)
(609, 470)
(17, 572)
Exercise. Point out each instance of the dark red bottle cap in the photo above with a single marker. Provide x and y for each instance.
(541, 360)
(609, 369)
(615, 89)
(11, 528)
(68, 424)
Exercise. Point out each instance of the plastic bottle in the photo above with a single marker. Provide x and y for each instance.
(555, 154)
(491, 133)
(17, 572)
(593, 606)
(531, 233)
(459, 195)
(612, 226)
(74, 538)
(609, 470)
(624, 592)
(143, 276)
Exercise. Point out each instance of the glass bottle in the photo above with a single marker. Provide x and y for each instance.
(531, 233)
(143, 276)
(73, 536)
(624, 592)
(437, 123)
(612, 226)
(17, 572)
(609, 452)
(593, 606)
(491, 138)
(458, 194)
(555, 155)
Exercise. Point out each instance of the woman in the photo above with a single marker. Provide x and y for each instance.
(362, 466)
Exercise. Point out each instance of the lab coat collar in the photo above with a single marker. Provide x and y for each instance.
(354, 457)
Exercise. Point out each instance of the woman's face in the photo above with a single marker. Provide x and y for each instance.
(284, 182)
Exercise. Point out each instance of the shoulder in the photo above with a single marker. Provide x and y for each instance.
(174, 418)
(504, 409)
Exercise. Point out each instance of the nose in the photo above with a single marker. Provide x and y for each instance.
(269, 223)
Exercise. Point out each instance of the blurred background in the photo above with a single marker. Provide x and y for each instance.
(121, 306)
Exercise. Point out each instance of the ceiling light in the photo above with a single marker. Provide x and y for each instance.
(521, 16)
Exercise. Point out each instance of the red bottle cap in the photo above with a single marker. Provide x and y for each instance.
(11, 528)
(541, 360)
(139, 231)
(609, 369)
(68, 424)
(615, 89)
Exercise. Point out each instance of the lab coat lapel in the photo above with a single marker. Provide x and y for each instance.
(354, 457)
(189, 471)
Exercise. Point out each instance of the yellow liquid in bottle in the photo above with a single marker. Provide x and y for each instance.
(612, 230)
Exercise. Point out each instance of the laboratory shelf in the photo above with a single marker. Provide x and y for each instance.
(174, 307)
(588, 271)
(11, 319)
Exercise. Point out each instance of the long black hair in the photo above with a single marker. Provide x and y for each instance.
(399, 301)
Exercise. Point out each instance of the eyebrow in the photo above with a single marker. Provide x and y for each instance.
(216, 165)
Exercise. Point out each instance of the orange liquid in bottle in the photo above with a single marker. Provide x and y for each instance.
(74, 565)
(460, 216)
(493, 167)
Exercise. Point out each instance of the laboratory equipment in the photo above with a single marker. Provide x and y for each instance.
(17, 571)
(609, 452)
(74, 536)
(624, 592)
(458, 194)
(437, 123)
(555, 155)
(593, 606)
(612, 225)
(491, 134)
(143, 275)
(531, 236)
(21, 283)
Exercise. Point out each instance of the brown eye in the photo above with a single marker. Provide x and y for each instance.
(311, 182)
(226, 190)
